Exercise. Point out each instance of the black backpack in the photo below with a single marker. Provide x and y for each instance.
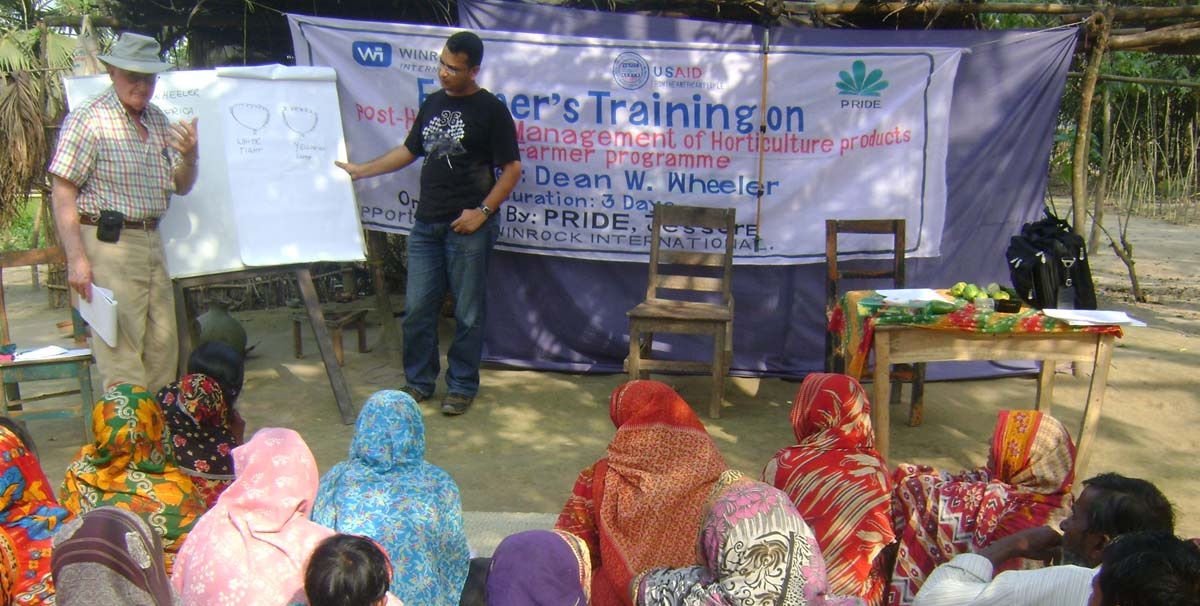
(1049, 266)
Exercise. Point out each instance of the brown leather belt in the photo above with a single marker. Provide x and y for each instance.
(145, 224)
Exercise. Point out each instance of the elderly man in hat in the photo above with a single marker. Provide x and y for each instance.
(118, 161)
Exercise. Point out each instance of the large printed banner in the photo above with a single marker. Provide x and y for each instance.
(608, 128)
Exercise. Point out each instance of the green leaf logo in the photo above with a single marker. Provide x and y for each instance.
(858, 82)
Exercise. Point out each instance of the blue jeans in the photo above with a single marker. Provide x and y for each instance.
(439, 258)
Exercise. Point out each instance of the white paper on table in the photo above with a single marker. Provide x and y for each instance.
(101, 314)
(41, 353)
(1093, 317)
(911, 296)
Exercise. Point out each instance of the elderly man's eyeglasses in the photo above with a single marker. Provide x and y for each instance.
(140, 77)
(450, 69)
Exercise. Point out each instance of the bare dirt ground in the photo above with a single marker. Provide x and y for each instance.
(529, 433)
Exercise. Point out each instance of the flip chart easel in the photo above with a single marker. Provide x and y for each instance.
(184, 314)
(269, 199)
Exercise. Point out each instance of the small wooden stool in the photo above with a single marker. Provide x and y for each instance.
(335, 321)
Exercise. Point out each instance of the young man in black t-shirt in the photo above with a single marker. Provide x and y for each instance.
(464, 133)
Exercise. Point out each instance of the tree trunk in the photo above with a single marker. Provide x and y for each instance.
(1102, 181)
(1125, 253)
(1083, 128)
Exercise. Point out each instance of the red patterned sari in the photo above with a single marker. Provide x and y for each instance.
(640, 507)
(839, 483)
(937, 515)
(29, 517)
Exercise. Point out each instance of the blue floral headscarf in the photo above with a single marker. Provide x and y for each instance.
(388, 492)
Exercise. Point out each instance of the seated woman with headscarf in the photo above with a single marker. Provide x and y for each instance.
(938, 515)
(640, 506)
(203, 426)
(387, 491)
(29, 515)
(532, 567)
(128, 467)
(252, 547)
(839, 483)
(754, 549)
(110, 556)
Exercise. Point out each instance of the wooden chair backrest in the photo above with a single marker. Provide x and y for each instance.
(28, 258)
(690, 267)
(835, 272)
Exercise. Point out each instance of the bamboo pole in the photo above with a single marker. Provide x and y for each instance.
(1093, 243)
(1174, 37)
(1125, 13)
(1083, 128)
(940, 8)
(1137, 80)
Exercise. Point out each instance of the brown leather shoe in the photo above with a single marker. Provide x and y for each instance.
(456, 403)
(417, 395)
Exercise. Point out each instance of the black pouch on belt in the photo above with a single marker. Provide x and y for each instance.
(108, 228)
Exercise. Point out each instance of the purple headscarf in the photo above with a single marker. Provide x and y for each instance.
(540, 567)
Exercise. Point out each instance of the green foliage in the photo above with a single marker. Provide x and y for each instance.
(19, 233)
(1161, 118)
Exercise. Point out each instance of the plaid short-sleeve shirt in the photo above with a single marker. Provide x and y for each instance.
(101, 151)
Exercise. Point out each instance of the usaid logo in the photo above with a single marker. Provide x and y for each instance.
(630, 71)
(372, 54)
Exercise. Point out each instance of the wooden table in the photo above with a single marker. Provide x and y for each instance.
(899, 344)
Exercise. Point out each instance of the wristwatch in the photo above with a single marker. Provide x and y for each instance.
(487, 212)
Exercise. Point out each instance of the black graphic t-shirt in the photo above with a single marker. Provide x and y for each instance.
(463, 140)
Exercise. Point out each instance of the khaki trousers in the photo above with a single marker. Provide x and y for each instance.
(135, 269)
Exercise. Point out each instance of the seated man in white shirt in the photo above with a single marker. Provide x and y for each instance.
(1111, 505)
(1152, 568)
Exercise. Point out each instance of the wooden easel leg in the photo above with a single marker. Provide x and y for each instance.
(391, 333)
(341, 393)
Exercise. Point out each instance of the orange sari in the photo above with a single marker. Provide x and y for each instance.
(640, 507)
(938, 515)
(129, 467)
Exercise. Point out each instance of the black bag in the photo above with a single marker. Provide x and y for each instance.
(1049, 266)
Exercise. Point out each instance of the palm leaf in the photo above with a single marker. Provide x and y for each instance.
(60, 50)
(22, 137)
(16, 50)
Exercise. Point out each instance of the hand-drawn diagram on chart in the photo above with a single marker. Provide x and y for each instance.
(252, 116)
(299, 119)
(282, 133)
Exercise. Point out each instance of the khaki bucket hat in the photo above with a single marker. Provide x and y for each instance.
(136, 53)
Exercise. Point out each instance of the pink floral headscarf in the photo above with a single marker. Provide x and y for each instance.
(251, 548)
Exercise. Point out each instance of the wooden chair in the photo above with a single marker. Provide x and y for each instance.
(869, 269)
(76, 366)
(689, 292)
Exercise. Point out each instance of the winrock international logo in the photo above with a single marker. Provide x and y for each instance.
(371, 54)
(630, 70)
(857, 82)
